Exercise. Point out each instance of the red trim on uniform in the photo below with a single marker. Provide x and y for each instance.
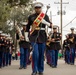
(42, 14)
(39, 18)
(32, 64)
(35, 23)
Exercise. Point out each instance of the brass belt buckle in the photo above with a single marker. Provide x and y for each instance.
(38, 28)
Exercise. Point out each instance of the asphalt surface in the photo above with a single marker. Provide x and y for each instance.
(62, 69)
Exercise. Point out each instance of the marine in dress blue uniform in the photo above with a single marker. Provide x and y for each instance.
(24, 46)
(38, 39)
(10, 51)
(4, 50)
(0, 50)
(72, 38)
(66, 47)
(55, 46)
(48, 52)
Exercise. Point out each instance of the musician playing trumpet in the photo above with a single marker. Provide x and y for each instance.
(72, 39)
(54, 46)
(38, 37)
(24, 45)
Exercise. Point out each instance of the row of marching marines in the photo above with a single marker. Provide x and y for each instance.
(34, 49)
(48, 51)
(67, 50)
(34, 36)
(6, 48)
(34, 42)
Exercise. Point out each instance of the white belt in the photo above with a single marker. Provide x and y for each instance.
(42, 28)
(66, 45)
(57, 41)
(39, 28)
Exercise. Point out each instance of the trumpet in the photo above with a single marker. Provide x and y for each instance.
(48, 44)
(25, 37)
(71, 39)
(19, 31)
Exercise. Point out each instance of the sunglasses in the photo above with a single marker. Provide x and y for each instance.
(37, 7)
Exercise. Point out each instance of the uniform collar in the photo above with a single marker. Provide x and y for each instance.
(55, 32)
(36, 14)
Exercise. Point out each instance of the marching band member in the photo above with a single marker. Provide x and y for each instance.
(0, 50)
(38, 37)
(3, 49)
(48, 51)
(55, 46)
(10, 51)
(24, 46)
(72, 38)
(66, 47)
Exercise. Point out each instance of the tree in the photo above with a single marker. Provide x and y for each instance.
(6, 7)
(19, 2)
(13, 10)
(4, 13)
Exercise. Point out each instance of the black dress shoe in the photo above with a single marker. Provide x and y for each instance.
(20, 67)
(0, 67)
(25, 67)
(40, 73)
(54, 66)
(35, 73)
(72, 63)
(50, 65)
(3, 66)
(6, 64)
(47, 63)
(9, 64)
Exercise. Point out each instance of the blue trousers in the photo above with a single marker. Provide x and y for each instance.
(54, 57)
(23, 57)
(0, 59)
(38, 57)
(6, 58)
(72, 55)
(50, 56)
(9, 59)
(67, 53)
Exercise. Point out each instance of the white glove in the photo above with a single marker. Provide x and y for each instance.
(26, 36)
(45, 22)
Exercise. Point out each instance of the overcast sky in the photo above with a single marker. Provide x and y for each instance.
(70, 13)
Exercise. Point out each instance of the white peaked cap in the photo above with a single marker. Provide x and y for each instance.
(24, 23)
(38, 4)
(1, 32)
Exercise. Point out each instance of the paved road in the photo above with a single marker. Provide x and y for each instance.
(63, 69)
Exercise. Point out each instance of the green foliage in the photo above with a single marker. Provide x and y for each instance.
(4, 10)
(13, 10)
(18, 2)
(19, 14)
(4, 14)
